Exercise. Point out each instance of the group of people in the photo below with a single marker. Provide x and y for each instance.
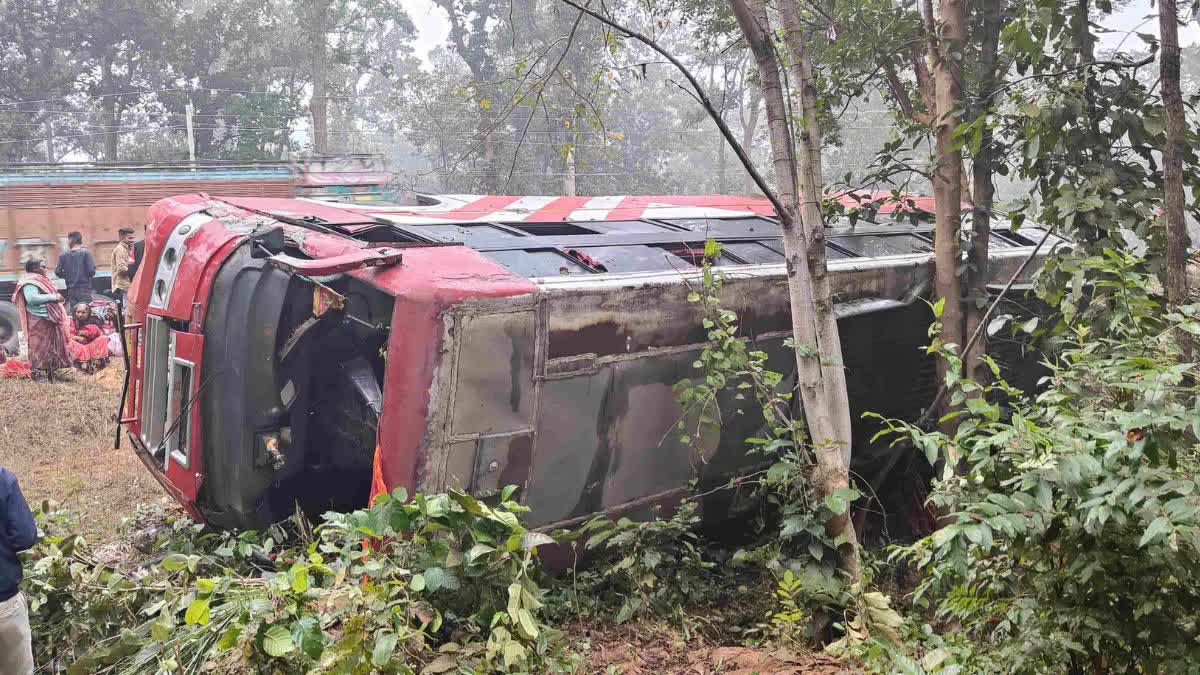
(54, 339)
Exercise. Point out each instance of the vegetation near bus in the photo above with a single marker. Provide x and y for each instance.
(1071, 542)
(1064, 518)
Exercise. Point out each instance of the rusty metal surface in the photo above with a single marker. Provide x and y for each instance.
(603, 424)
(494, 391)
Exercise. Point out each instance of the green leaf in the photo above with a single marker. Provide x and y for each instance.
(437, 578)
(1160, 525)
(385, 646)
(417, 583)
(306, 634)
(816, 550)
(230, 637)
(299, 574)
(836, 503)
(531, 540)
(514, 653)
(277, 641)
(160, 632)
(477, 551)
(197, 612)
(205, 586)
(526, 626)
(598, 538)
(514, 599)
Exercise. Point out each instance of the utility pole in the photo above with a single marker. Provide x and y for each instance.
(191, 135)
(49, 141)
(569, 180)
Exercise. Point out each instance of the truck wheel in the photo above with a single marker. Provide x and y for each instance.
(10, 323)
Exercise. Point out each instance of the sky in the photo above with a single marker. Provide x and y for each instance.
(432, 26)
(1138, 16)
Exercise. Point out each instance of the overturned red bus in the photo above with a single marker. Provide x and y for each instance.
(303, 351)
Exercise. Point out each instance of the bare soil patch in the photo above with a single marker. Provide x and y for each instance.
(58, 440)
(650, 648)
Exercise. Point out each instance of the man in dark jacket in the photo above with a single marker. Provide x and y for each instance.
(18, 531)
(138, 247)
(76, 267)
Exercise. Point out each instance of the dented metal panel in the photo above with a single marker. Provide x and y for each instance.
(494, 391)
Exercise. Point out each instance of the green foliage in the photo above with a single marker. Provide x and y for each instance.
(642, 568)
(433, 583)
(794, 545)
(1073, 535)
(729, 365)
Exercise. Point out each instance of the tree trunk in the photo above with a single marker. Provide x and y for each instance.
(985, 190)
(1172, 159)
(569, 180)
(819, 394)
(108, 112)
(947, 177)
(49, 141)
(812, 182)
(112, 131)
(318, 107)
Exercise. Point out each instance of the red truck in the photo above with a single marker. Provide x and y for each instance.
(41, 203)
(315, 352)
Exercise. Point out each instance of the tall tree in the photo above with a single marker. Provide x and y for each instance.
(471, 28)
(812, 321)
(316, 16)
(946, 46)
(821, 380)
(989, 19)
(120, 58)
(1172, 149)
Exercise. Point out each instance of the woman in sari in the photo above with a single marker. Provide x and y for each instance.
(88, 346)
(43, 320)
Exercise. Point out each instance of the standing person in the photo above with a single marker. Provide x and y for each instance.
(122, 255)
(138, 248)
(18, 532)
(43, 319)
(77, 268)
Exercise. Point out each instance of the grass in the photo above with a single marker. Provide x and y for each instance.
(58, 440)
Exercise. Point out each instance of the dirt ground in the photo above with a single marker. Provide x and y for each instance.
(649, 648)
(58, 440)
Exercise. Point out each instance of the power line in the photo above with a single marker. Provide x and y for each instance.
(99, 133)
(156, 91)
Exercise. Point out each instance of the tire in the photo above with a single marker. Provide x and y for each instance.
(10, 324)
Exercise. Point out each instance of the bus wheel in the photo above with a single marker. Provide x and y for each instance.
(10, 323)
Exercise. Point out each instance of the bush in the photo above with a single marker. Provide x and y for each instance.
(432, 583)
(1073, 535)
